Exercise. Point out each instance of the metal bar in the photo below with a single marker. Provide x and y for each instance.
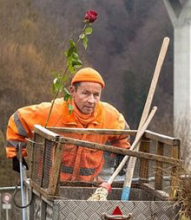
(7, 214)
(21, 180)
(0, 205)
(9, 188)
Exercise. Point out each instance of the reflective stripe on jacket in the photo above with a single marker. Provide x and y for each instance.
(79, 163)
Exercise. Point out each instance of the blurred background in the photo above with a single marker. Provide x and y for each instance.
(124, 48)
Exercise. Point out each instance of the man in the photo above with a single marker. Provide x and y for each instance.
(79, 163)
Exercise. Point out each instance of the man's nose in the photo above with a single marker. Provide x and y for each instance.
(91, 99)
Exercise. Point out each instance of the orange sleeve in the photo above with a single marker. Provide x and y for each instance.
(14, 137)
(20, 127)
(122, 141)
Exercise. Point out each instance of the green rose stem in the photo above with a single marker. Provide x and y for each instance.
(73, 62)
(53, 101)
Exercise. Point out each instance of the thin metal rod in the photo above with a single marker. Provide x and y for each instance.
(7, 214)
(21, 180)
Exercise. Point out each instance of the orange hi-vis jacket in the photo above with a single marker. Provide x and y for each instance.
(78, 163)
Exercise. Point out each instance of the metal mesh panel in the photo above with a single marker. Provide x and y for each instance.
(37, 208)
(40, 209)
(42, 161)
(47, 162)
(49, 212)
(151, 169)
(37, 160)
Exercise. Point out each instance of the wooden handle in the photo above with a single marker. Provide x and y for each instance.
(154, 81)
(136, 141)
(132, 162)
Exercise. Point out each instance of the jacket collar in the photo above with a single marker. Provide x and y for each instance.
(69, 119)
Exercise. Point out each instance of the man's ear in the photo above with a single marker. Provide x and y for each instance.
(72, 90)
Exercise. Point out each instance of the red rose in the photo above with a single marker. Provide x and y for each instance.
(91, 16)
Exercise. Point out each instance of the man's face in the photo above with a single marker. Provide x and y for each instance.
(86, 96)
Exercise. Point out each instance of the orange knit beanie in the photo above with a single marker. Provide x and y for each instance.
(88, 75)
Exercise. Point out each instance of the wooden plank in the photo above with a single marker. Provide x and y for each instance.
(49, 135)
(31, 156)
(148, 134)
(118, 150)
(144, 164)
(162, 138)
(92, 131)
(55, 177)
(174, 178)
(39, 189)
(159, 168)
(42, 193)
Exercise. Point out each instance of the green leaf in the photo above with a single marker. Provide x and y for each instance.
(88, 30)
(64, 79)
(78, 66)
(72, 43)
(66, 91)
(82, 36)
(67, 95)
(76, 62)
(85, 42)
(72, 49)
(58, 82)
(70, 108)
(69, 60)
(71, 68)
(75, 55)
(57, 87)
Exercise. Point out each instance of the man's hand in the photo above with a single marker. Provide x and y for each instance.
(16, 165)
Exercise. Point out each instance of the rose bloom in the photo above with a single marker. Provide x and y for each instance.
(91, 16)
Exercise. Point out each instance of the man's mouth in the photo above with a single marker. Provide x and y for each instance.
(89, 107)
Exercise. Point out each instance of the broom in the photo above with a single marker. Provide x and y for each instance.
(102, 192)
(132, 160)
(105, 188)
